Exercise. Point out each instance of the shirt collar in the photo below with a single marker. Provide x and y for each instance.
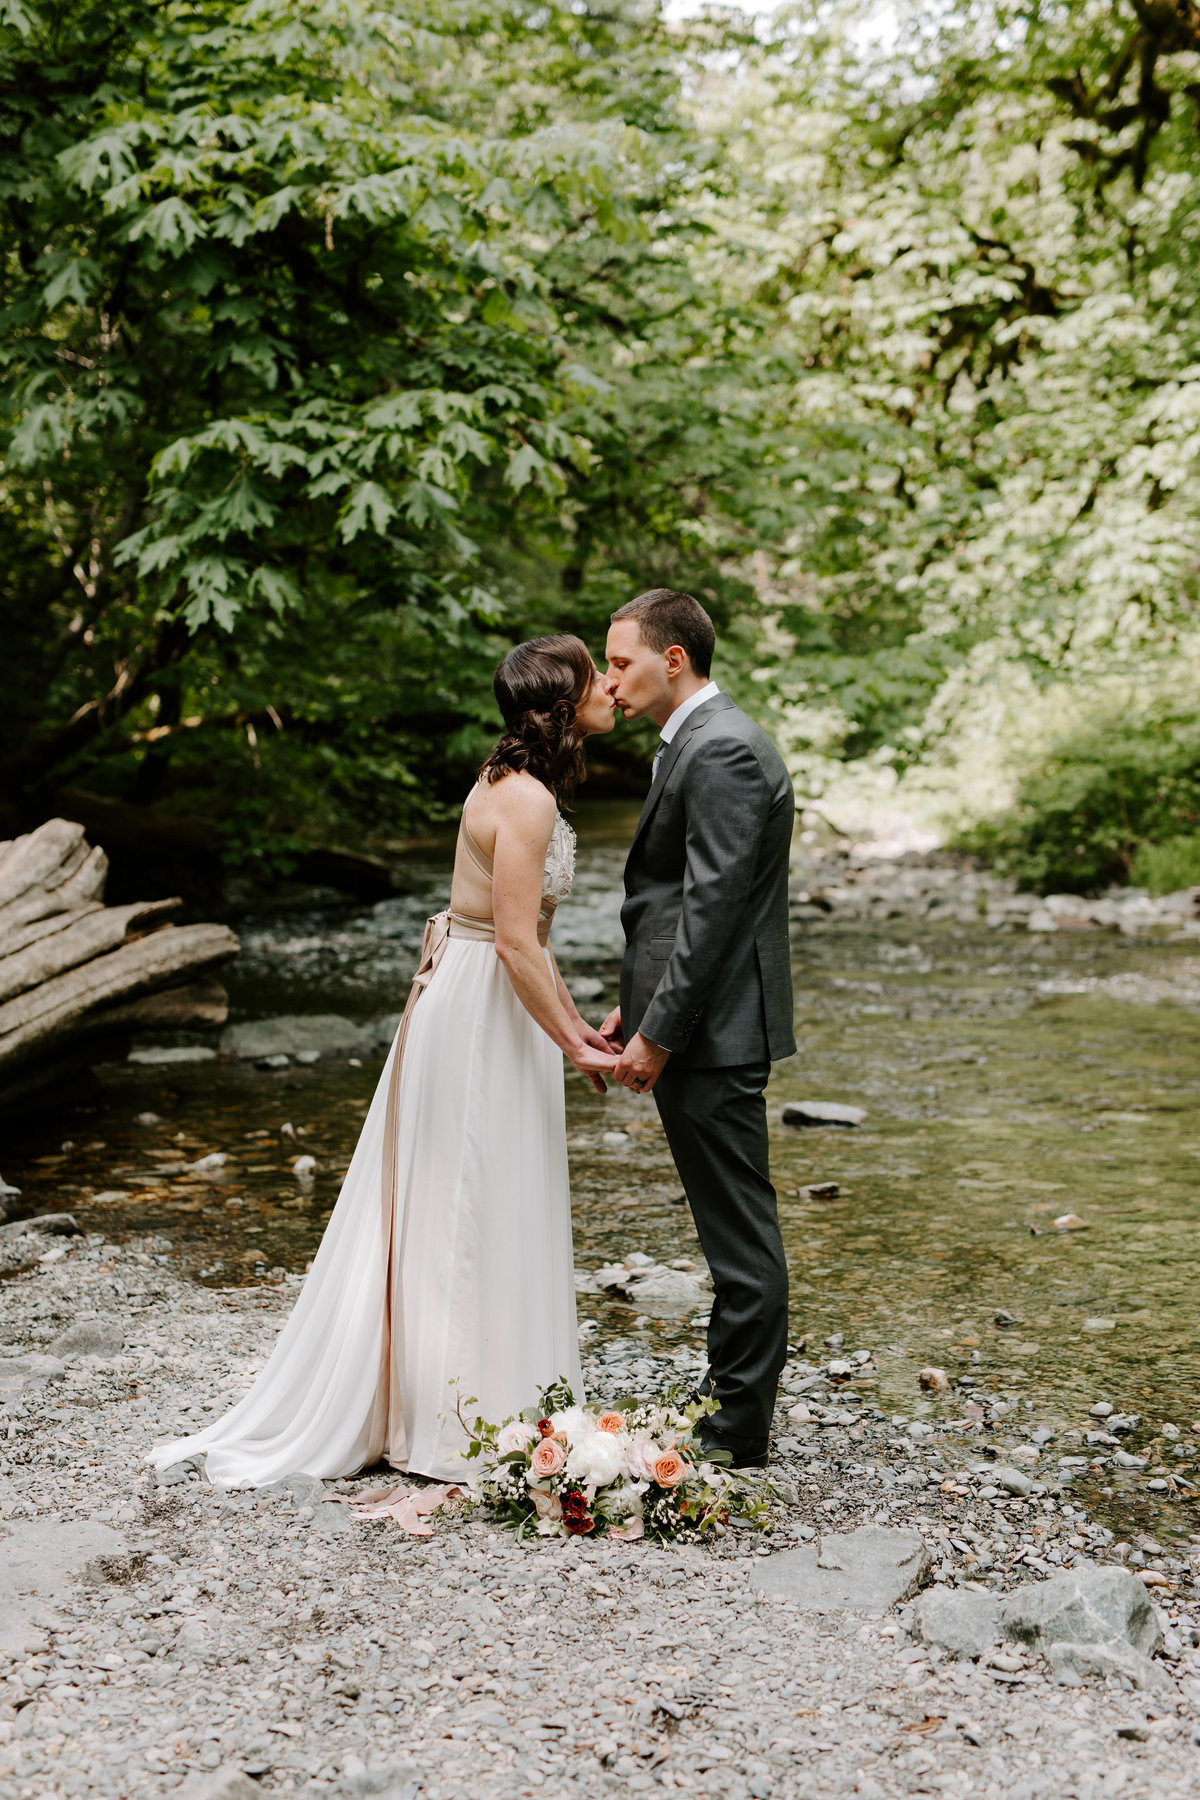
(685, 709)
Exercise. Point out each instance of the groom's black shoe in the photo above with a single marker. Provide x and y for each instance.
(743, 1453)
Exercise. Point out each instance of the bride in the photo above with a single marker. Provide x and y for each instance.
(448, 1255)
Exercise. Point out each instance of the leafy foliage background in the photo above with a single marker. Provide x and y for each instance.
(340, 348)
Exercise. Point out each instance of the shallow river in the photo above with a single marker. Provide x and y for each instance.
(994, 1106)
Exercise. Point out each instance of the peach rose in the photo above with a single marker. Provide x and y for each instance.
(670, 1469)
(610, 1422)
(548, 1458)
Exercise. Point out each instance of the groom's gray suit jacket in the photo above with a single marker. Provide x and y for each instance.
(707, 971)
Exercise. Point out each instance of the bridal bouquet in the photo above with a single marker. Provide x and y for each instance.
(635, 1471)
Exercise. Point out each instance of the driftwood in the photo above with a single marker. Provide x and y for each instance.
(72, 967)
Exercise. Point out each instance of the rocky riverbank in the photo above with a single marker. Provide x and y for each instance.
(857, 882)
(156, 1635)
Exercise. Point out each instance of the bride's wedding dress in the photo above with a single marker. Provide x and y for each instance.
(448, 1255)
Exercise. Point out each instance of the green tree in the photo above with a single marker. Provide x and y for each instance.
(292, 397)
(979, 245)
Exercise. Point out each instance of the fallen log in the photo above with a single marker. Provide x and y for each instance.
(136, 968)
(188, 1008)
(81, 940)
(71, 967)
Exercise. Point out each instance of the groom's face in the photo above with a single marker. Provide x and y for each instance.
(638, 677)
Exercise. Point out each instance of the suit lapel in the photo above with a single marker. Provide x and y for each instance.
(671, 755)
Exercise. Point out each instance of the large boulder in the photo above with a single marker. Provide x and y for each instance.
(957, 1620)
(90, 1337)
(869, 1569)
(1083, 1606)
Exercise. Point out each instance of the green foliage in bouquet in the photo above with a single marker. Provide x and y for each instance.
(636, 1470)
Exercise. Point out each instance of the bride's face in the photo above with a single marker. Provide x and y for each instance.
(597, 711)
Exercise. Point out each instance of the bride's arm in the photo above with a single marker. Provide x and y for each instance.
(524, 821)
(587, 1032)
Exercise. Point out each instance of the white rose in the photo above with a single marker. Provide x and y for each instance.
(575, 1421)
(597, 1459)
(516, 1435)
(623, 1501)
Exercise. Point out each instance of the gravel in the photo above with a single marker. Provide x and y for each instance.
(227, 1644)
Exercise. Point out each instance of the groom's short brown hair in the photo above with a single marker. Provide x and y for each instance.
(665, 617)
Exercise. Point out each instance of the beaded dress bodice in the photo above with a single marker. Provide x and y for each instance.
(560, 861)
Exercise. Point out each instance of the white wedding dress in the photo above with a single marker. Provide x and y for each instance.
(448, 1258)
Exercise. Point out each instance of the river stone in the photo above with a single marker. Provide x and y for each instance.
(51, 1224)
(226, 1783)
(20, 1372)
(1083, 1606)
(400, 1781)
(38, 1559)
(668, 1292)
(90, 1337)
(958, 1621)
(1013, 1481)
(331, 1520)
(291, 1032)
(176, 1473)
(822, 1112)
(871, 1568)
(1113, 1658)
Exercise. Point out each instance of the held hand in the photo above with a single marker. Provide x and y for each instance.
(611, 1029)
(591, 1036)
(595, 1064)
(640, 1064)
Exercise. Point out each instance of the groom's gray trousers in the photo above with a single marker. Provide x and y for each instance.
(707, 975)
(716, 1126)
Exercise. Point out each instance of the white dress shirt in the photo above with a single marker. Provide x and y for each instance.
(682, 712)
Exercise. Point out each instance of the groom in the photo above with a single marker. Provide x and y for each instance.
(706, 987)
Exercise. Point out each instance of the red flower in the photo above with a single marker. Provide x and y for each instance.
(574, 1505)
(578, 1527)
(545, 1428)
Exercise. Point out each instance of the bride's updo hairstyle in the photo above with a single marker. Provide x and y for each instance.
(539, 687)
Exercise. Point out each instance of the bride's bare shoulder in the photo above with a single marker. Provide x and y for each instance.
(518, 804)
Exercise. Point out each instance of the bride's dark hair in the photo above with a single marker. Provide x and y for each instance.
(539, 687)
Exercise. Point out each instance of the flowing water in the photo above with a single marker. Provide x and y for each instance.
(997, 1101)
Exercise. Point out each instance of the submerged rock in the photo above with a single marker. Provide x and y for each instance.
(822, 1112)
(294, 1033)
